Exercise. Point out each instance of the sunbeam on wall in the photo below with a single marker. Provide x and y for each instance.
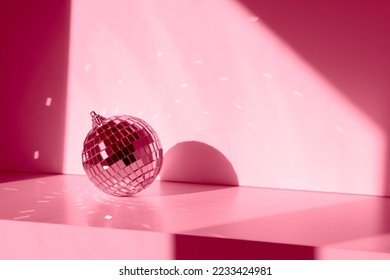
(210, 71)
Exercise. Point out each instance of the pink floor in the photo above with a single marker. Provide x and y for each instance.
(66, 217)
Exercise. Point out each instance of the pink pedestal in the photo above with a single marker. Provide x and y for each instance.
(66, 217)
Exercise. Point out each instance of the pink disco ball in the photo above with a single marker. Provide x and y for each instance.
(122, 155)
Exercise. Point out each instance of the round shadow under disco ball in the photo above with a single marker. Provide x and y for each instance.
(122, 155)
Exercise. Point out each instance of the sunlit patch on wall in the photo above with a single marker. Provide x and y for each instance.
(233, 84)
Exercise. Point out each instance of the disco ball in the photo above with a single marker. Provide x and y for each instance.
(122, 155)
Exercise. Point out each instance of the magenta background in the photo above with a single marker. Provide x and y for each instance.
(34, 62)
(293, 95)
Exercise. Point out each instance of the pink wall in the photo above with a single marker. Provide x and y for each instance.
(33, 80)
(293, 97)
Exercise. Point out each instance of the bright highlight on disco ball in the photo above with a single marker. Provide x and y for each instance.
(122, 155)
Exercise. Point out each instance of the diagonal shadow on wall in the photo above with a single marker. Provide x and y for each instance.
(347, 42)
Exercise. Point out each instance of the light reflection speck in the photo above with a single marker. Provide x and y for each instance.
(48, 102)
(250, 124)
(339, 129)
(298, 93)
(11, 189)
(147, 226)
(22, 217)
(27, 211)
